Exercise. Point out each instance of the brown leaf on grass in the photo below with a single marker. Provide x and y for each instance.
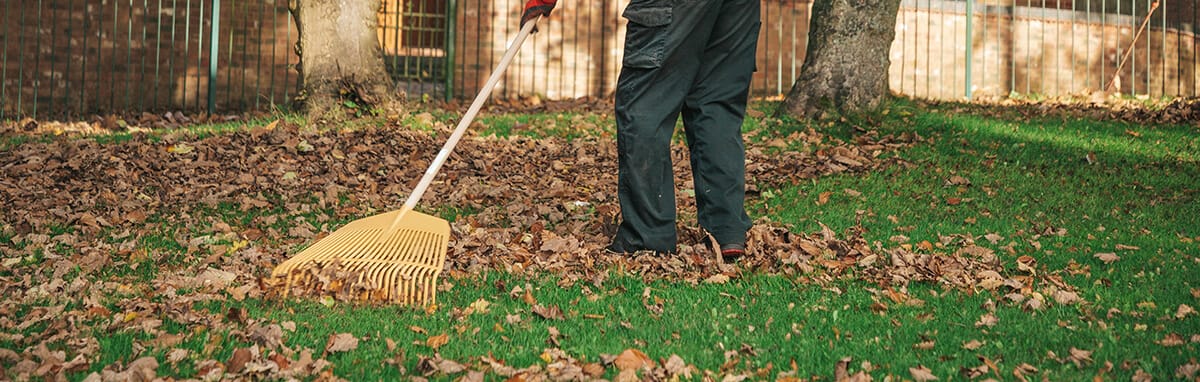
(1108, 257)
(550, 313)
(141, 369)
(993, 238)
(975, 372)
(719, 278)
(593, 369)
(437, 341)
(1065, 297)
(238, 360)
(1184, 311)
(1171, 340)
(632, 359)
(1141, 376)
(1188, 370)
(957, 181)
(677, 367)
(922, 373)
(1123, 247)
(176, 355)
(215, 278)
(972, 345)
(341, 342)
(1080, 357)
(823, 198)
(479, 306)
(280, 361)
(987, 320)
(527, 297)
(1027, 264)
(1024, 369)
(841, 369)
(437, 364)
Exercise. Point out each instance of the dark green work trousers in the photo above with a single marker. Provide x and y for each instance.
(695, 58)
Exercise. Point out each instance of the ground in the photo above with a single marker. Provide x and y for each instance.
(1008, 242)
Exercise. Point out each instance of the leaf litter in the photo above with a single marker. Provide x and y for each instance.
(75, 206)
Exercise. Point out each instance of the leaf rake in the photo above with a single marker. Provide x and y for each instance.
(395, 256)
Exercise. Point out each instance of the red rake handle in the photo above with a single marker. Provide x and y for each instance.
(467, 118)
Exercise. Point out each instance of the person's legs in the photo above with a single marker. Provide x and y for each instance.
(663, 46)
(713, 115)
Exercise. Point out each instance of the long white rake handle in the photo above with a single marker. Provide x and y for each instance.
(467, 118)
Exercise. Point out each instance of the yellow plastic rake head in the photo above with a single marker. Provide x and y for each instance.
(401, 263)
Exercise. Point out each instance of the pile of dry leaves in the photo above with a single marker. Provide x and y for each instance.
(237, 204)
(1097, 106)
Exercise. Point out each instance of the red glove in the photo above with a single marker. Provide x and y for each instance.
(535, 8)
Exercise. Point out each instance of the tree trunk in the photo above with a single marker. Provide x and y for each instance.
(847, 61)
(340, 58)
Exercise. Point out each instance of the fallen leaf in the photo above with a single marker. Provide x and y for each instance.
(1026, 264)
(1141, 376)
(238, 360)
(479, 306)
(1024, 369)
(1066, 297)
(677, 367)
(176, 355)
(181, 148)
(719, 278)
(987, 320)
(441, 365)
(958, 181)
(972, 345)
(840, 369)
(632, 359)
(1123, 247)
(1188, 370)
(341, 342)
(1171, 340)
(922, 373)
(1080, 357)
(594, 370)
(1107, 257)
(1184, 311)
(437, 341)
(550, 313)
(823, 198)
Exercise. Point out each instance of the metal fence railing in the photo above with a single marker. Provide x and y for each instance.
(81, 57)
(1045, 48)
(75, 58)
(65, 58)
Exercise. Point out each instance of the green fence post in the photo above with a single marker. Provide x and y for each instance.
(212, 57)
(451, 44)
(970, 42)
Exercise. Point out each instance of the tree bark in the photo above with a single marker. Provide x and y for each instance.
(340, 58)
(846, 67)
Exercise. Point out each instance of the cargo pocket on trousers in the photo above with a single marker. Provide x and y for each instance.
(646, 35)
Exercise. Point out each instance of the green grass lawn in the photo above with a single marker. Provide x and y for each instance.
(1059, 191)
